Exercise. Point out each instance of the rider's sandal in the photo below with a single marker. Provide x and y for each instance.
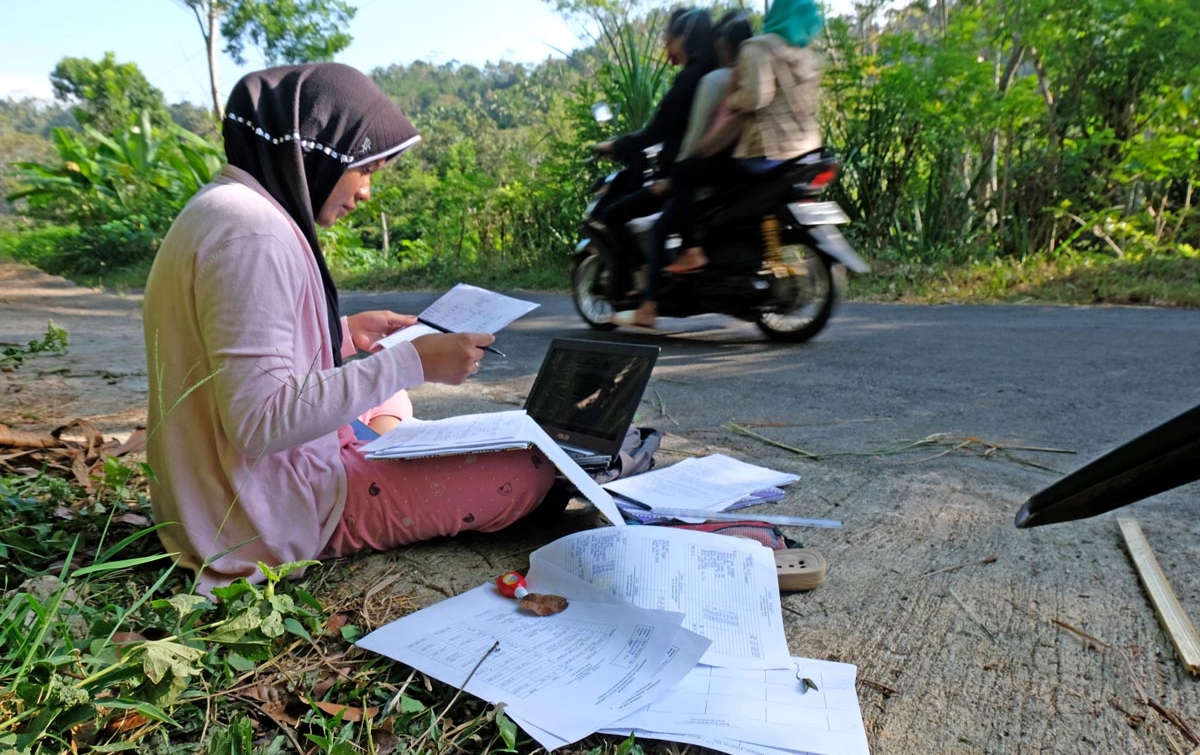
(674, 269)
(679, 267)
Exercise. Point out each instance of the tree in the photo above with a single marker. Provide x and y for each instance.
(105, 93)
(30, 115)
(18, 147)
(286, 31)
(194, 118)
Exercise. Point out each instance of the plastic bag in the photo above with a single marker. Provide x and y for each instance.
(636, 455)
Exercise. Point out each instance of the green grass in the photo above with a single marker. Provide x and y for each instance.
(104, 647)
(553, 275)
(1165, 281)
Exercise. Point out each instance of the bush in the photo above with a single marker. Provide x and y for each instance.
(38, 245)
(119, 193)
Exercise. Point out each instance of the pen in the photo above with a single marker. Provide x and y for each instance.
(738, 516)
(440, 329)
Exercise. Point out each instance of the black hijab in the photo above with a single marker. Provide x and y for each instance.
(297, 129)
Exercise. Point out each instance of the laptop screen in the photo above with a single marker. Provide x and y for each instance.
(587, 392)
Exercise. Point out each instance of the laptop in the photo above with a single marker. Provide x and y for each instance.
(586, 394)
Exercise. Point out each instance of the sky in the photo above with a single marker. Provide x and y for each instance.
(163, 39)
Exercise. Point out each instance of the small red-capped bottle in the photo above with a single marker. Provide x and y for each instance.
(512, 585)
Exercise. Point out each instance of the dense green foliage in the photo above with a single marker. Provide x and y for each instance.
(495, 185)
(972, 132)
(288, 32)
(107, 94)
(980, 129)
(284, 31)
(108, 201)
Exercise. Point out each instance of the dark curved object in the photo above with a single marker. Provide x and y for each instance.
(1163, 458)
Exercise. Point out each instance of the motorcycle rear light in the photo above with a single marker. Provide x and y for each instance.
(824, 178)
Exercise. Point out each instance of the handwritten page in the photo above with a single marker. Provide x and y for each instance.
(769, 707)
(725, 587)
(490, 431)
(706, 483)
(465, 309)
(565, 675)
(470, 308)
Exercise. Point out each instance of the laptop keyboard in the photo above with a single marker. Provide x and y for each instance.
(586, 458)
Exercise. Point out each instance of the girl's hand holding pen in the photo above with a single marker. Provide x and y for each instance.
(439, 328)
(451, 358)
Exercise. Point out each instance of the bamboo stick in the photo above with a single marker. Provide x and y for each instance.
(1174, 619)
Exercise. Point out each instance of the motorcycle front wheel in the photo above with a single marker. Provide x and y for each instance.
(804, 301)
(589, 283)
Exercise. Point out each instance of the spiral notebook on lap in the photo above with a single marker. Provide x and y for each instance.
(586, 394)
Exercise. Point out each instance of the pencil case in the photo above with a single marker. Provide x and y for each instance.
(767, 534)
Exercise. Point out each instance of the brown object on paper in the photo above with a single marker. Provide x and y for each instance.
(543, 605)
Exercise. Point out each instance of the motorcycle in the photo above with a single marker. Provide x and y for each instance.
(776, 256)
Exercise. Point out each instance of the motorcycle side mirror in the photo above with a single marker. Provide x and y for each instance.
(602, 112)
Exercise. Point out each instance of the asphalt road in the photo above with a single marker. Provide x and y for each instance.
(1080, 377)
(969, 636)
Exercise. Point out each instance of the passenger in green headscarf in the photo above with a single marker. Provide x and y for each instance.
(773, 106)
(797, 21)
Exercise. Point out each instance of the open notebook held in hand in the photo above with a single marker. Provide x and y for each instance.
(463, 309)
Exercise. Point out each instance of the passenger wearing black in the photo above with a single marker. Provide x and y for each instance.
(731, 31)
(689, 44)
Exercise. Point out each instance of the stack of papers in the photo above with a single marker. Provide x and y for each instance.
(670, 634)
(464, 434)
(637, 511)
(703, 484)
(491, 431)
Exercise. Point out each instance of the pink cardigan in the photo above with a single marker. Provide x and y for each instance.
(245, 403)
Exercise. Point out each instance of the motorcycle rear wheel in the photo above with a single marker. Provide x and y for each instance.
(809, 296)
(589, 281)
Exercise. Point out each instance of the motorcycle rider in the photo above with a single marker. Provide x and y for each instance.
(730, 31)
(773, 105)
(688, 41)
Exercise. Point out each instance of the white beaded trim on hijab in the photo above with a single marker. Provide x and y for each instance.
(305, 144)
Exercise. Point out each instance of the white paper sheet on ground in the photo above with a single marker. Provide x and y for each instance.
(567, 675)
(588, 488)
(763, 707)
(464, 309)
(488, 432)
(551, 579)
(731, 746)
(702, 483)
(726, 587)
